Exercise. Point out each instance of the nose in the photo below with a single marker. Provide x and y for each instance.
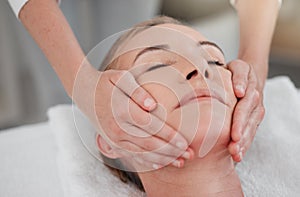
(194, 72)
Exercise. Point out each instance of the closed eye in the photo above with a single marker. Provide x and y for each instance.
(156, 67)
(215, 62)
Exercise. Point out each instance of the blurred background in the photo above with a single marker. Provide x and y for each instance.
(29, 86)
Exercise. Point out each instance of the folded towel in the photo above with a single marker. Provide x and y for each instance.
(270, 168)
(82, 175)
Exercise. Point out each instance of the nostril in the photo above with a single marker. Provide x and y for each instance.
(192, 74)
(206, 75)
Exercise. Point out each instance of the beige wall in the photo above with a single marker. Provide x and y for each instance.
(286, 42)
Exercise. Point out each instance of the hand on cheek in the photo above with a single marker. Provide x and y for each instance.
(249, 110)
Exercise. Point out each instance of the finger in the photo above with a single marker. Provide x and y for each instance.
(233, 148)
(136, 161)
(145, 161)
(139, 125)
(156, 158)
(244, 144)
(155, 126)
(242, 111)
(156, 161)
(125, 81)
(154, 144)
(251, 128)
(240, 71)
(237, 158)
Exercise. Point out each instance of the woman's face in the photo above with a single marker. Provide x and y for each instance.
(187, 76)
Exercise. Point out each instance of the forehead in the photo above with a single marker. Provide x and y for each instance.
(173, 35)
(181, 40)
(186, 31)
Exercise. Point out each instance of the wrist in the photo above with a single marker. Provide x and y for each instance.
(84, 89)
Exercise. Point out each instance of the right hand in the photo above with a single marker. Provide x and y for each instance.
(160, 147)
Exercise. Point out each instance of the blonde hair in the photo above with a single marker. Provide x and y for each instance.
(110, 62)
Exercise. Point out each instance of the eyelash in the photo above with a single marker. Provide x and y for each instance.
(215, 62)
(157, 66)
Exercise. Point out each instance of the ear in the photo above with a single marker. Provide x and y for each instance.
(105, 148)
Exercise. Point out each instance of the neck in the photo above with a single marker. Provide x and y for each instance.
(213, 175)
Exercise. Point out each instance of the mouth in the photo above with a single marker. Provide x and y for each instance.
(199, 95)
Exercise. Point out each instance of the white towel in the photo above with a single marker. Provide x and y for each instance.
(82, 175)
(270, 168)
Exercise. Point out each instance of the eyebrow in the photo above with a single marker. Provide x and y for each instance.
(152, 48)
(201, 43)
(167, 47)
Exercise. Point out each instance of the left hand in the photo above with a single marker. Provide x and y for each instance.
(249, 110)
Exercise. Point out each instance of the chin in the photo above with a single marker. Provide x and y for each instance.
(214, 125)
(197, 121)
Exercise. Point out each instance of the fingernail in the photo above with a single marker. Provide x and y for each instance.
(241, 155)
(155, 166)
(176, 163)
(186, 155)
(240, 88)
(242, 149)
(181, 145)
(148, 102)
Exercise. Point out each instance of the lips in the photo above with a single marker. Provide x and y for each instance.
(199, 94)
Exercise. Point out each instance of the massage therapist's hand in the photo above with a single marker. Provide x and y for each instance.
(55, 37)
(126, 120)
(249, 110)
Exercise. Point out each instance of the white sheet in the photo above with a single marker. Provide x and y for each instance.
(28, 155)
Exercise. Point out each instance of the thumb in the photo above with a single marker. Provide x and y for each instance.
(240, 72)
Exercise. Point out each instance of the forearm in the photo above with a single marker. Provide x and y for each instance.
(47, 25)
(257, 22)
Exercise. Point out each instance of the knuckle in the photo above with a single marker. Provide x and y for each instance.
(154, 127)
(169, 135)
(256, 95)
(148, 144)
(165, 133)
(240, 77)
(141, 120)
(138, 119)
(262, 112)
(138, 93)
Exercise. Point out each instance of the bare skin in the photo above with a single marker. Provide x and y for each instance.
(257, 23)
(47, 25)
(169, 80)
